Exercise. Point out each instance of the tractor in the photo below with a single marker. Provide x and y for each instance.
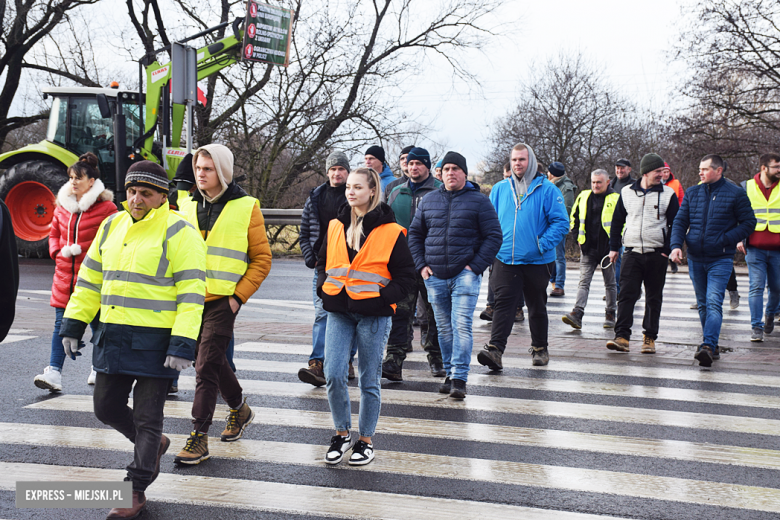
(119, 126)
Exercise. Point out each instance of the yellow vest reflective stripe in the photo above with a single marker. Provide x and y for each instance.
(767, 211)
(147, 273)
(610, 202)
(227, 244)
(367, 274)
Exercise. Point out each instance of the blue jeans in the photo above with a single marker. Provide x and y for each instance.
(763, 270)
(369, 334)
(57, 357)
(453, 301)
(320, 324)
(559, 273)
(709, 282)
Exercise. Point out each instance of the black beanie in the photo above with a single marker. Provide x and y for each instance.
(650, 162)
(405, 149)
(149, 174)
(419, 154)
(184, 171)
(456, 159)
(378, 152)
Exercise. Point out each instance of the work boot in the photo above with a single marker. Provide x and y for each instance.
(446, 386)
(351, 372)
(648, 345)
(557, 293)
(437, 367)
(134, 511)
(490, 356)
(487, 314)
(195, 450)
(165, 442)
(313, 374)
(609, 320)
(539, 356)
(733, 299)
(619, 344)
(392, 369)
(50, 380)
(237, 421)
(704, 356)
(574, 318)
(423, 334)
(519, 315)
(458, 389)
(769, 323)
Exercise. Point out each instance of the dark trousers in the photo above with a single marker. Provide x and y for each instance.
(732, 284)
(402, 332)
(509, 282)
(142, 424)
(213, 373)
(491, 298)
(650, 269)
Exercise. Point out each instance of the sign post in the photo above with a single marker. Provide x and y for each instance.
(184, 83)
(267, 34)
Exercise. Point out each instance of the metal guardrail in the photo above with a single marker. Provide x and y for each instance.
(282, 217)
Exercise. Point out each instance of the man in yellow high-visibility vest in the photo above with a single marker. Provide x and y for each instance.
(238, 258)
(144, 272)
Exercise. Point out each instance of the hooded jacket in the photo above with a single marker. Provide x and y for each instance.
(386, 177)
(531, 228)
(400, 265)
(223, 163)
(73, 227)
(9, 266)
(452, 230)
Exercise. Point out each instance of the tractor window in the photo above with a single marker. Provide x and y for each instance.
(89, 132)
(134, 125)
(58, 119)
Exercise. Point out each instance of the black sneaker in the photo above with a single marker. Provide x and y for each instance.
(539, 356)
(392, 370)
(490, 356)
(338, 447)
(437, 368)
(704, 356)
(769, 323)
(409, 347)
(458, 389)
(362, 454)
(446, 386)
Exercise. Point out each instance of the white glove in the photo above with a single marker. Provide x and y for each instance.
(177, 363)
(71, 347)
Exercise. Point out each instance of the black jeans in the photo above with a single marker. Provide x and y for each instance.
(637, 268)
(509, 282)
(491, 298)
(142, 424)
(732, 284)
(402, 332)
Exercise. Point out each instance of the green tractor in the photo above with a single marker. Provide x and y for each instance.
(119, 126)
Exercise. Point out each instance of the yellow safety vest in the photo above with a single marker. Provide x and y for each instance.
(610, 202)
(184, 201)
(767, 211)
(147, 273)
(227, 244)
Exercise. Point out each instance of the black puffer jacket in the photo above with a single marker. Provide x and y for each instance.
(9, 266)
(400, 265)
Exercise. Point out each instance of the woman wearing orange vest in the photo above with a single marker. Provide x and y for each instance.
(364, 269)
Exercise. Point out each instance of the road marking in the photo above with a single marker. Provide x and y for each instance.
(12, 338)
(558, 385)
(289, 498)
(434, 466)
(476, 432)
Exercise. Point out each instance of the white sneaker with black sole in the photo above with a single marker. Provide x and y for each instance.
(338, 447)
(50, 380)
(362, 454)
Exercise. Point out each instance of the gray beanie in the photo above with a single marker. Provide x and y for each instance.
(337, 159)
(650, 162)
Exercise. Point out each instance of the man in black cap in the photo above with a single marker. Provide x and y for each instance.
(556, 173)
(404, 172)
(647, 209)
(621, 180)
(375, 159)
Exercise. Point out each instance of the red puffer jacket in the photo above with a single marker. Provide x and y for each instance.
(73, 228)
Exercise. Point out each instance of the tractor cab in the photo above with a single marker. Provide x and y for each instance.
(77, 124)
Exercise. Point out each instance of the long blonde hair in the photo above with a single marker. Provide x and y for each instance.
(355, 230)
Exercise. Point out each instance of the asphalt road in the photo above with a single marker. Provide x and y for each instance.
(593, 434)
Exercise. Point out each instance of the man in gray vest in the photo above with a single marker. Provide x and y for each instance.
(645, 211)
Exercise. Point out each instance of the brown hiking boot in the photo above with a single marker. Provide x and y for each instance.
(237, 421)
(619, 344)
(519, 315)
(487, 314)
(557, 292)
(648, 345)
(134, 511)
(195, 451)
(313, 374)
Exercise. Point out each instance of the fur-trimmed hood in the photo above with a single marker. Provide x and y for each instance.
(97, 193)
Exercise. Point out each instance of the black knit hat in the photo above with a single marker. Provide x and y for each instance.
(419, 154)
(378, 152)
(406, 149)
(557, 169)
(184, 171)
(650, 162)
(456, 159)
(148, 174)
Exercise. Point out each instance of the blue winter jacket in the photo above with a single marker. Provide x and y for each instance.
(533, 228)
(715, 217)
(386, 177)
(451, 230)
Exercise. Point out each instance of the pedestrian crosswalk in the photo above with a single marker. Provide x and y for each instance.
(572, 440)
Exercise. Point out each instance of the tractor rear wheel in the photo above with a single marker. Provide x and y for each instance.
(28, 189)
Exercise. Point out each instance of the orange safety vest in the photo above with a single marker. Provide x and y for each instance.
(367, 274)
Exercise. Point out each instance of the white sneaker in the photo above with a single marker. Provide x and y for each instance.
(50, 380)
(92, 377)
